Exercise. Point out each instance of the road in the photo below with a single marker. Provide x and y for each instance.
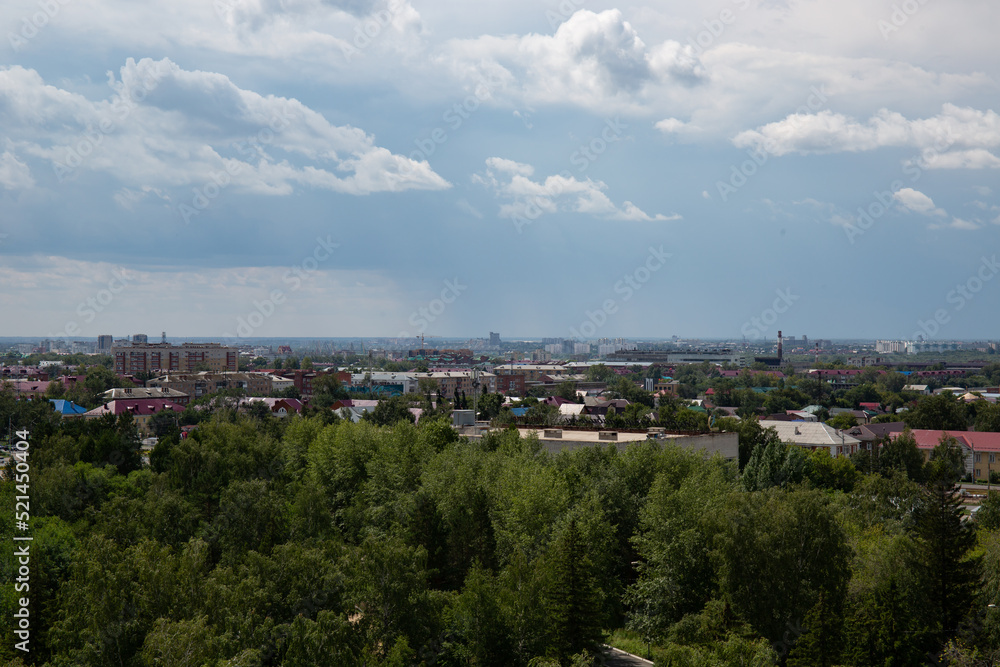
(615, 658)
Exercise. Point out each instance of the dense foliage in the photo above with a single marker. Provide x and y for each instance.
(257, 541)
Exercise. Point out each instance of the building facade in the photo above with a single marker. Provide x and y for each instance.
(133, 357)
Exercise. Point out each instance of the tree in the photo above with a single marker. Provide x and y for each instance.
(821, 644)
(777, 550)
(490, 406)
(943, 412)
(988, 418)
(775, 465)
(572, 598)
(948, 570)
(900, 453)
(843, 421)
(600, 373)
(988, 516)
(389, 411)
(947, 462)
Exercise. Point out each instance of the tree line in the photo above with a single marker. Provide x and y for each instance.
(317, 541)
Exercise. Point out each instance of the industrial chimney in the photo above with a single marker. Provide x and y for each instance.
(779, 347)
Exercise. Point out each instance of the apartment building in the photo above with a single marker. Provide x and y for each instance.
(133, 357)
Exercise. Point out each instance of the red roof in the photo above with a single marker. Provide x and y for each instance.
(979, 441)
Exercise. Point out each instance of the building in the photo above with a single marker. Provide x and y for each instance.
(104, 343)
(511, 385)
(494, 339)
(391, 384)
(67, 408)
(303, 379)
(142, 410)
(981, 451)
(133, 357)
(196, 385)
(448, 382)
(126, 393)
(916, 347)
(531, 372)
(813, 436)
(647, 357)
(555, 440)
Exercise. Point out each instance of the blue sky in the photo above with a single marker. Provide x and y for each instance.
(333, 167)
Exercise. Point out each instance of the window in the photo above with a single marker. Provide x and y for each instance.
(979, 457)
(993, 458)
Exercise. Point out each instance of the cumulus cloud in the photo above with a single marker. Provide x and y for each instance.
(591, 58)
(918, 202)
(165, 127)
(971, 130)
(529, 199)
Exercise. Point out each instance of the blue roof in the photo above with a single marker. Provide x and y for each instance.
(519, 412)
(65, 407)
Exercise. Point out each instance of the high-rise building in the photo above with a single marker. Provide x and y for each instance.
(494, 339)
(105, 343)
(138, 357)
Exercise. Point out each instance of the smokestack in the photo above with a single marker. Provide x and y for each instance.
(779, 347)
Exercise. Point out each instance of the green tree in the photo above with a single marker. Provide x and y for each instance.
(843, 421)
(775, 465)
(988, 418)
(572, 599)
(940, 412)
(389, 411)
(988, 516)
(821, 644)
(948, 568)
(777, 550)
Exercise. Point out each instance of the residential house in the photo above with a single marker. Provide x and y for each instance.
(813, 436)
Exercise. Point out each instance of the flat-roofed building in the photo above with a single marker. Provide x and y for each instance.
(196, 385)
(139, 357)
(126, 393)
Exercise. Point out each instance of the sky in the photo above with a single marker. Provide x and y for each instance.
(575, 169)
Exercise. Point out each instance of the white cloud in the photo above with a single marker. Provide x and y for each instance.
(829, 132)
(167, 127)
(918, 202)
(530, 199)
(976, 158)
(14, 174)
(671, 126)
(958, 223)
(591, 58)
